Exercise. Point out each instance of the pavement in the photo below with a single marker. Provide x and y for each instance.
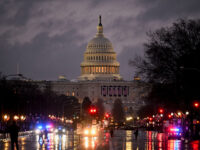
(122, 140)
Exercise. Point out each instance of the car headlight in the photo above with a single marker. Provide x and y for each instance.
(86, 132)
(56, 130)
(37, 131)
(93, 131)
(63, 130)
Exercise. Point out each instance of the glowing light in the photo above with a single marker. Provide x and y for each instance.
(16, 117)
(40, 127)
(187, 113)
(196, 104)
(169, 116)
(107, 115)
(174, 129)
(93, 110)
(86, 132)
(179, 113)
(129, 118)
(86, 142)
(93, 144)
(48, 126)
(6, 117)
(93, 131)
(161, 110)
(22, 117)
(37, 131)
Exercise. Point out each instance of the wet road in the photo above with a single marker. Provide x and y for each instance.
(122, 140)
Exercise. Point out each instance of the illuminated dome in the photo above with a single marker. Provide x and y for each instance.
(100, 59)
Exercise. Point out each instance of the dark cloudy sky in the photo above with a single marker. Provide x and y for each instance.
(47, 38)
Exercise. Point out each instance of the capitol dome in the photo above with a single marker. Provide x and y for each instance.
(99, 44)
(100, 59)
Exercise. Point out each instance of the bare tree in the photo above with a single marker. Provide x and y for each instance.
(171, 64)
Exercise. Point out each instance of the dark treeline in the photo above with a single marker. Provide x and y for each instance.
(24, 97)
(171, 67)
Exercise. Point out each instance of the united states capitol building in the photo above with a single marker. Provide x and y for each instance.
(100, 78)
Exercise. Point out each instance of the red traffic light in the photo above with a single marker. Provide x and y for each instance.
(196, 104)
(107, 115)
(93, 110)
(169, 116)
(161, 111)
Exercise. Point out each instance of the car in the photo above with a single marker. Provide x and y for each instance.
(42, 127)
(174, 132)
(60, 130)
(90, 131)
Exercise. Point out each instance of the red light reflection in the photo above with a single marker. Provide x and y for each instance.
(195, 145)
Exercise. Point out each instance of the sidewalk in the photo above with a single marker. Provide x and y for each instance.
(6, 135)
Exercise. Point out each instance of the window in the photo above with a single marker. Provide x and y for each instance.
(67, 94)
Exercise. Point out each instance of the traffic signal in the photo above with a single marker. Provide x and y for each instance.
(93, 110)
(161, 111)
(196, 104)
(107, 115)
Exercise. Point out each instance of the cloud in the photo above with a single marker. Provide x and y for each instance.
(42, 33)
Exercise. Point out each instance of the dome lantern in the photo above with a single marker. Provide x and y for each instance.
(99, 28)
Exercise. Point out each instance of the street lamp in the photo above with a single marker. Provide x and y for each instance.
(179, 114)
(187, 112)
(6, 117)
(22, 118)
(15, 117)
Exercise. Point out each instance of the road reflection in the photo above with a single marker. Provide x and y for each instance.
(129, 140)
(58, 141)
(156, 141)
(122, 140)
(90, 142)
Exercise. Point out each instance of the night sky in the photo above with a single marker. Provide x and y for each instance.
(48, 38)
